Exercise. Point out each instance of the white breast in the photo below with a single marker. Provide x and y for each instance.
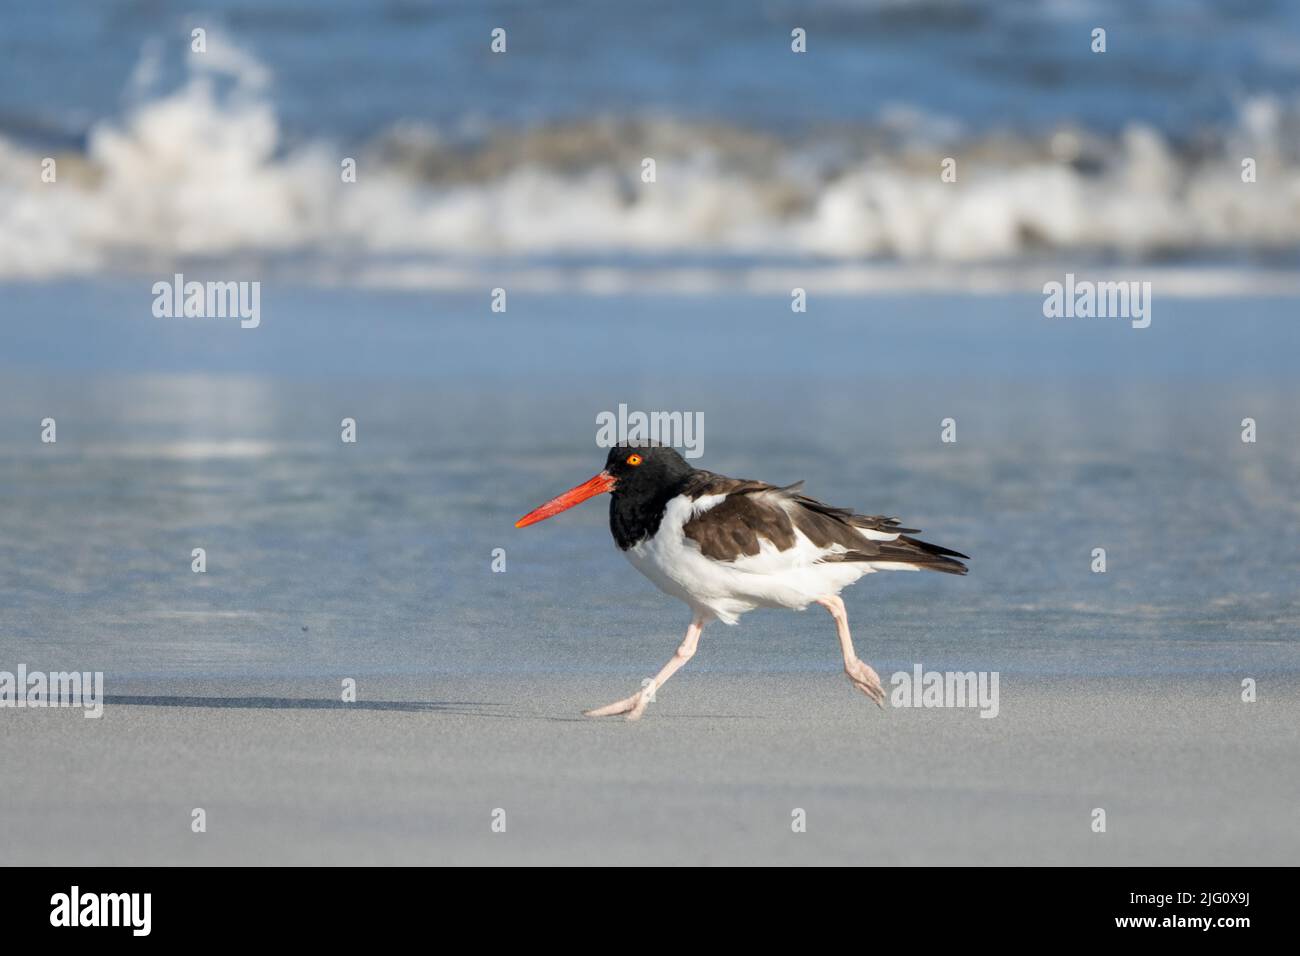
(793, 578)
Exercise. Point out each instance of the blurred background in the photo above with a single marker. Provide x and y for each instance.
(522, 171)
(470, 161)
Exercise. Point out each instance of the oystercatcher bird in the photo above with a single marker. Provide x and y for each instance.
(727, 545)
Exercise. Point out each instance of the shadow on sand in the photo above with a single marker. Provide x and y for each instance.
(470, 707)
(460, 708)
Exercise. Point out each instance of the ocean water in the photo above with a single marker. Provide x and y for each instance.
(334, 559)
(523, 171)
(471, 164)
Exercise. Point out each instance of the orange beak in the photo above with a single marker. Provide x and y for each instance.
(574, 496)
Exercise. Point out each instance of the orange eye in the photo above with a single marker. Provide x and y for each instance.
(634, 459)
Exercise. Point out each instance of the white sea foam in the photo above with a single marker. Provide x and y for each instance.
(204, 173)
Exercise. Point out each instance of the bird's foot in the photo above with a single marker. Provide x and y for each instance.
(866, 680)
(630, 707)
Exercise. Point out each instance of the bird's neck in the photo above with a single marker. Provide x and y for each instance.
(635, 512)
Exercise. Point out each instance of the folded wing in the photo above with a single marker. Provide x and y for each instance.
(734, 517)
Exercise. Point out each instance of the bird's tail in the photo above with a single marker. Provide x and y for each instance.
(930, 557)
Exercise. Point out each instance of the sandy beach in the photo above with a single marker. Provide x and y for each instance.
(413, 772)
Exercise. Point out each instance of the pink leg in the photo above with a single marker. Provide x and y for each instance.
(633, 707)
(863, 677)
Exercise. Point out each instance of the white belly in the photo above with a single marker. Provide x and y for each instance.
(793, 578)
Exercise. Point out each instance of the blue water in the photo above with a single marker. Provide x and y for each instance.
(523, 171)
(326, 558)
(352, 69)
(471, 164)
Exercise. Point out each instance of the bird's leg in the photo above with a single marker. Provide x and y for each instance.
(633, 707)
(863, 677)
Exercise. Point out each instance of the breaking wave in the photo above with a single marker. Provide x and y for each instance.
(204, 173)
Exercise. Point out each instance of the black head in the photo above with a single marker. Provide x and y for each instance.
(639, 467)
(642, 477)
(646, 476)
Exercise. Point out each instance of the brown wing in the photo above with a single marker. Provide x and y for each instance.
(754, 510)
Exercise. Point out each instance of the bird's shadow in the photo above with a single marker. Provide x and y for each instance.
(473, 708)
(461, 708)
